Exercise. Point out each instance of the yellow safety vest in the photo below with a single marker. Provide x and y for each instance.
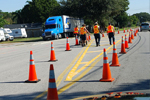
(110, 29)
(96, 30)
(76, 30)
(82, 31)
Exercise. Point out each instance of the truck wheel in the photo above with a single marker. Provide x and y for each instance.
(7, 39)
(64, 35)
(44, 38)
(59, 36)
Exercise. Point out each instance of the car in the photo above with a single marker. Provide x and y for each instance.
(145, 27)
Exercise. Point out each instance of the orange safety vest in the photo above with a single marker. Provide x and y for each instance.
(76, 30)
(82, 31)
(96, 30)
(110, 29)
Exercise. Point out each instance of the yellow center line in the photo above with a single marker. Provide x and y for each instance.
(86, 71)
(83, 62)
(69, 77)
(78, 78)
(94, 51)
(59, 79)
(73, 72)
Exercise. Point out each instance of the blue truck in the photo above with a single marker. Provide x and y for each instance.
(60, 26)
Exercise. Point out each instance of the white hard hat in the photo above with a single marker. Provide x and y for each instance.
(96, 23)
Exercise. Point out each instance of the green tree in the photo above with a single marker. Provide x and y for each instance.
(95, 10)
(143, 16)
(2, 21)
(133, 20)
(122, 20)
(39, 10)
(17, 16)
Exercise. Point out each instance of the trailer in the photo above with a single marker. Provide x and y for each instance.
(2, 36)
(19, 33)
(8, 34)
(60, 26)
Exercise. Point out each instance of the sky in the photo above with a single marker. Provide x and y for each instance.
(135, 6)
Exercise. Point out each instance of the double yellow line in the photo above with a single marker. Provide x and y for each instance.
(84, 50)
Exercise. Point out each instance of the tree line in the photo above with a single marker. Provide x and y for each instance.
(102, 11)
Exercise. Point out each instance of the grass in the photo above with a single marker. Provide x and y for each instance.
(121, 29)
(32, 39)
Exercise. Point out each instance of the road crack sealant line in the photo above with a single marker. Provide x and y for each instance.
(79, 77)
(99, 95)
(86, 71)
(133, 46)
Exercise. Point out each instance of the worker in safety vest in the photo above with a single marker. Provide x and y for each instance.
(111, 33)
(96, 29)
(83, 32)
(76, 31)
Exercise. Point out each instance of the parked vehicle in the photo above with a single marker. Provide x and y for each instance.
(60, 26)
(8, 34)
(145, 26)
(2, 36)
(19, 33)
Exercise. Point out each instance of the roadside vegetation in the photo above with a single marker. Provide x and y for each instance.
(33, 39)
(102, 11)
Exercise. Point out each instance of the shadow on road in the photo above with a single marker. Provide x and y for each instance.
(142, 85)
(22, 96)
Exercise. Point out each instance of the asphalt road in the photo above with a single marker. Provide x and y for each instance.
(77, 72)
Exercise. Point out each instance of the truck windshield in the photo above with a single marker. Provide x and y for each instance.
(50, 26)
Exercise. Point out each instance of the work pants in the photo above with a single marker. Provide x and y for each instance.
(77, 35)
(111, 35)
(97, 38)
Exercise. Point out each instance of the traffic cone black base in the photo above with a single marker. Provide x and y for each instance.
(68, 50)
(27, 81)
(52, 60)
(123, 53)
(32, 71)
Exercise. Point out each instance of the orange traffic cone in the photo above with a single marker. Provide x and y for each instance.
(132, 36)
(126, 42)
(127, 30)
(106, 70)
(130, 40)
(115, 61)
(89, 37)
(123, 50)
(32, 71)
(52, 56)
(135, 33)
(67, 46)
(130, 29)
(118, 31)
(77, 43)
(52, 89)
(103, 35)
(124, 31)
